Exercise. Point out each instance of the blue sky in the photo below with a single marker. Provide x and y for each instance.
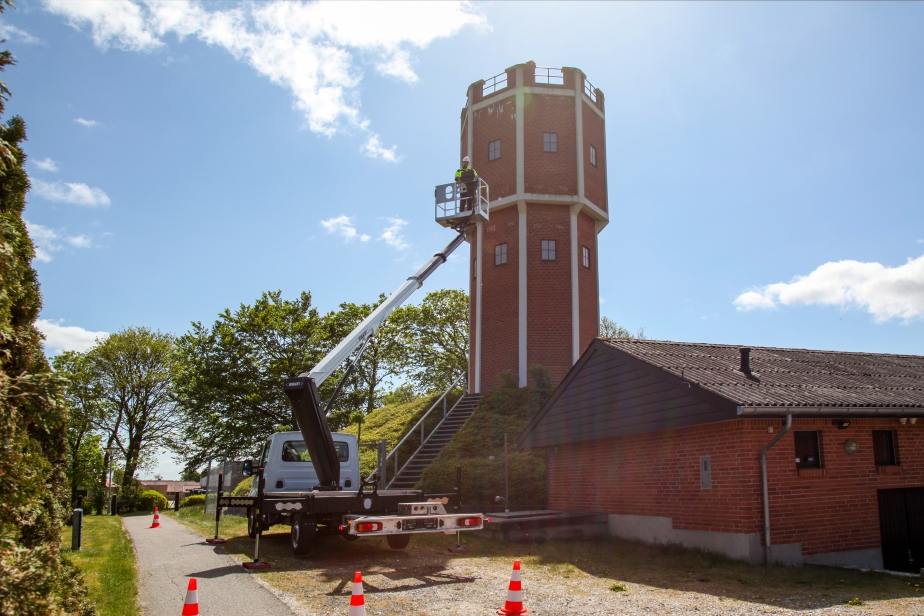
(184, 158)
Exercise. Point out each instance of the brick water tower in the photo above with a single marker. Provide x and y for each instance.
(537, 137)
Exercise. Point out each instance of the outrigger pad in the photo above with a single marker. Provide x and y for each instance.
(312, 423)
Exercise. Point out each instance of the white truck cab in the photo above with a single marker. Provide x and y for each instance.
(288, 468)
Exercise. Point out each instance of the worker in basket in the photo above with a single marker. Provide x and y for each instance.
(468, 176)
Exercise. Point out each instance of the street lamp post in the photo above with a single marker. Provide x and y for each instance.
(110, 451)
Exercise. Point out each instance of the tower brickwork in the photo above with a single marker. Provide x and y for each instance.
(537, 137)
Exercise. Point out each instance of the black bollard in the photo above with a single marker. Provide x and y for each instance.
(76, 530)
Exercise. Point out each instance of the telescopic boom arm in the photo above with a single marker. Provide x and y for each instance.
(303, 390)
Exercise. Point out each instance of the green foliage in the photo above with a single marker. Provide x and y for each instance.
(190, 475)
(243, 488)
(148, 499)
(391, 423)
(507, 409)
(618, 588)
(33, 577)
(399, 395)
(610, 329)
(132, 371)
(193, 500)
(435, 338)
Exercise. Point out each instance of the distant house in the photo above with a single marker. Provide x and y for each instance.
(666, 438)
(170, 489)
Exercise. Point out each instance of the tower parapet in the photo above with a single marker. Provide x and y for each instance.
(537, 136)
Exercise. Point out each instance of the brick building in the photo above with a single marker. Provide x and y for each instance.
(667, 439)
(537, 137)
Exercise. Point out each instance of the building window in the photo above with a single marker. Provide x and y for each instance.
(475, 268)
(808, 453)
(550, 142)
(884, 448)
(494, 150)
(593, 156)
(548, 250)
(500, 254)
(585, 255)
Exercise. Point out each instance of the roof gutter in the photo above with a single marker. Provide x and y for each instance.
(763, 473)
(831, 411)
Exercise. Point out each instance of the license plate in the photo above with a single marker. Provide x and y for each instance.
(426, 523)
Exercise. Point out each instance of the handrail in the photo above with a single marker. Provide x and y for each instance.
(420, 424)
(493, 84)
(550, 76)
(590, 90)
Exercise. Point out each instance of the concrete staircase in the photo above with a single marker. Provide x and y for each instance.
(457, 416)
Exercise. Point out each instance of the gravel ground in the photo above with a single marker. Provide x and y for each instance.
(565, 578)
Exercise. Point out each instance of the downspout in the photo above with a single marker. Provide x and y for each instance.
(763, 471)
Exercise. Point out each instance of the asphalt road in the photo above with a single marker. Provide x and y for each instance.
(168, 556)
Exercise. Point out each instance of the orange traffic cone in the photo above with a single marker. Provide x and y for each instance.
(156, 523)
(357, 601)
(514, 605)
(191, 607)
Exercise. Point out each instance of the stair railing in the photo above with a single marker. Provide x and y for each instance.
(421, 424)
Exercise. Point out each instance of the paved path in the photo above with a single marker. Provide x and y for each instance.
(168, 556)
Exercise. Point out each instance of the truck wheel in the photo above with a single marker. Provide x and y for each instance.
(251, 524)
(304, 532)
(398, 542)
(350, 538)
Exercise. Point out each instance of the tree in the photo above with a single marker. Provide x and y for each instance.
(436, 339)
(609, 329)
(34, 579)
(133, 370)
(85, 413)
(358, 418)
(228, 382)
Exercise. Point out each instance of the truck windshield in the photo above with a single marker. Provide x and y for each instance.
(295, 451)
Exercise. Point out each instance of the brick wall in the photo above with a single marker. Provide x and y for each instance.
(500, 331)
(594, 177)
(657, 474)
(549, 289)
(496, 121)
(588, 293)
(551, 173)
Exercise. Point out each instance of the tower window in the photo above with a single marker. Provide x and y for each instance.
(500, 254)
(884, 448)
(548, 250)
(808, 453)
(494, 150)
(593, 156)
(475, 268)
(550, 142)
(585, 254)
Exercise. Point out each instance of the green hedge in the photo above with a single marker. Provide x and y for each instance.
(243, 488)
(149, 499)
(193, 500)
(506, 409)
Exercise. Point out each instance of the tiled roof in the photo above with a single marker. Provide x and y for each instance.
(789, 377)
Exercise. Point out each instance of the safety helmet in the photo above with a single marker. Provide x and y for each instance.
(466, 160)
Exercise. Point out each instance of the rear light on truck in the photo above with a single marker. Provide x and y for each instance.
(368, 527)
(469, 522)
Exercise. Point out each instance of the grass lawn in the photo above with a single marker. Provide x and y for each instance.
(107, 561)
(423, 578)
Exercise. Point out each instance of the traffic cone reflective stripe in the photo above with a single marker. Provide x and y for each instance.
(357, 601)
(191, 607)
(156, 523)
(514, 605)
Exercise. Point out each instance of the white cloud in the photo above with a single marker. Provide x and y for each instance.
(48, 240)
(373, 148)
(313, 49)
(885, 292)
(12, 33)
(46, 165)
(67, 337)
(392, 234)
(344, 227)
(71, 192)
(87, 123)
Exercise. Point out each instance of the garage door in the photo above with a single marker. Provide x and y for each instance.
(901, 524)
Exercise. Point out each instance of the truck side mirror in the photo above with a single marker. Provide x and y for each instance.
(247, 469)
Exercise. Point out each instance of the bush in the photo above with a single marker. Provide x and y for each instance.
(193, 500)
(149, 499)
(243, 488)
